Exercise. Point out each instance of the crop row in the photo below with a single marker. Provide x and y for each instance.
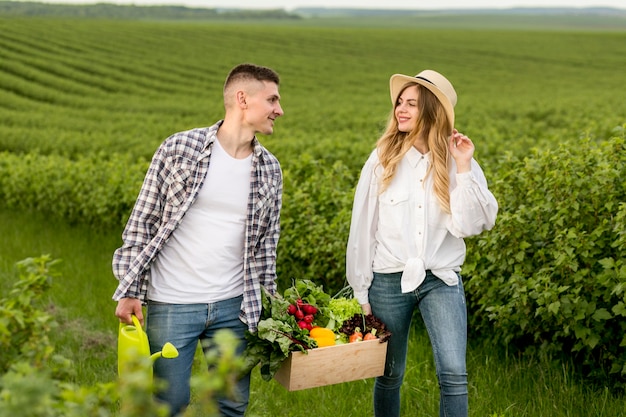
(152, 79)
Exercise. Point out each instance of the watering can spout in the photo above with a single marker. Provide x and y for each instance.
(169, 351)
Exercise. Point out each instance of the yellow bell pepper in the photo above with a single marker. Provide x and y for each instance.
(323, 336)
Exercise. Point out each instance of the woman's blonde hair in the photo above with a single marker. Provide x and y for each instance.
(432, 124)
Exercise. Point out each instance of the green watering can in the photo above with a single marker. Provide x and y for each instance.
(133, 341)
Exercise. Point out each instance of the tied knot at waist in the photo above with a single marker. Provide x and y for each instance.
(415, 273)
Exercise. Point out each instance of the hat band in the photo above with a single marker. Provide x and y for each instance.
(427, 80)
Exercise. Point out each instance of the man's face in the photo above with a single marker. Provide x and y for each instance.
(263, 107)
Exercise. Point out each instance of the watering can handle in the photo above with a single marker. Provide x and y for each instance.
(136, 321)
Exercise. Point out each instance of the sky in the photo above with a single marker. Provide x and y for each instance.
(370, 4)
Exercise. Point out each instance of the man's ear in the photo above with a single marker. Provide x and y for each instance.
(241, 100)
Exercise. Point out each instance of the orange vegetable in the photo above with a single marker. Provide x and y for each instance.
(371, 335)
(357, 336)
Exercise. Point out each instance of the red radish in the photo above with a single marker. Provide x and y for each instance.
(304, 325)
(309, 309)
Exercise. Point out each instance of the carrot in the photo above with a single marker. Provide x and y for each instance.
(357, 336)
(371, 335)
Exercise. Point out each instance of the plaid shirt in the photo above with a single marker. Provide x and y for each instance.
(171, 185)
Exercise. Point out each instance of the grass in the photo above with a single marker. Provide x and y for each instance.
(81, 297)
(500, 385)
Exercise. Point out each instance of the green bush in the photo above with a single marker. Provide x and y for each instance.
(315, 222)
(24, 326)
(95, 190)
(551, 275)
(101, 192)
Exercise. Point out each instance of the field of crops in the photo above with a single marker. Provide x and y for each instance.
(84, 104)
(78, 87)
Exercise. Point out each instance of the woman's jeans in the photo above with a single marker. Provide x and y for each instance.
(184, 325)
(444, 313)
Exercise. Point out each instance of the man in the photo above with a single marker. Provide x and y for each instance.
(201, 239)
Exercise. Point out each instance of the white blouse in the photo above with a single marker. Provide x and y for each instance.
(404, 228)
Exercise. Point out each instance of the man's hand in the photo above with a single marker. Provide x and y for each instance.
(126, 307)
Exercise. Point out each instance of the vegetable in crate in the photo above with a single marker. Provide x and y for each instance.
(323, 336)
(365, 324)
(291, 322)
(356, 336)
(371, 335)
(284, 326)
(303, 312)
(341, 309)
(278, 334)
(307, 292)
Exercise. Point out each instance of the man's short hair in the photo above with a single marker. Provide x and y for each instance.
(251, 72)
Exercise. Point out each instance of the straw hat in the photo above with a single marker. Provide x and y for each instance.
(435, 82)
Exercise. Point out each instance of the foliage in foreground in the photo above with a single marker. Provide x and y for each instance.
(553, 276)
(34, 381)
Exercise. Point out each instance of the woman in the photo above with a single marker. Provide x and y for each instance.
(420, 193)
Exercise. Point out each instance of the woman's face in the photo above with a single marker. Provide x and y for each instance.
(406, 109)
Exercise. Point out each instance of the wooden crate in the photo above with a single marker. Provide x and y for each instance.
(332, 365)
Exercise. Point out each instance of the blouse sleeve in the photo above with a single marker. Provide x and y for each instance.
(474, 208)
(360, 250)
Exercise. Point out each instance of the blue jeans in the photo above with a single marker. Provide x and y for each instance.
(444, 313)
(184, 325)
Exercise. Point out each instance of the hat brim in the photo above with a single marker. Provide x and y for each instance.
(397, 81)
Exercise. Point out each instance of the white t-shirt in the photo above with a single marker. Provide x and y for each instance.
(203, 260)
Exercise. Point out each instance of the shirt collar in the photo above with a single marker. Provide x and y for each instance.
(212, 134)
(414, 157)
(257, 149)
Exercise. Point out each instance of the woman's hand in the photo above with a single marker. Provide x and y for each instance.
(462, 150)
(367, 309)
